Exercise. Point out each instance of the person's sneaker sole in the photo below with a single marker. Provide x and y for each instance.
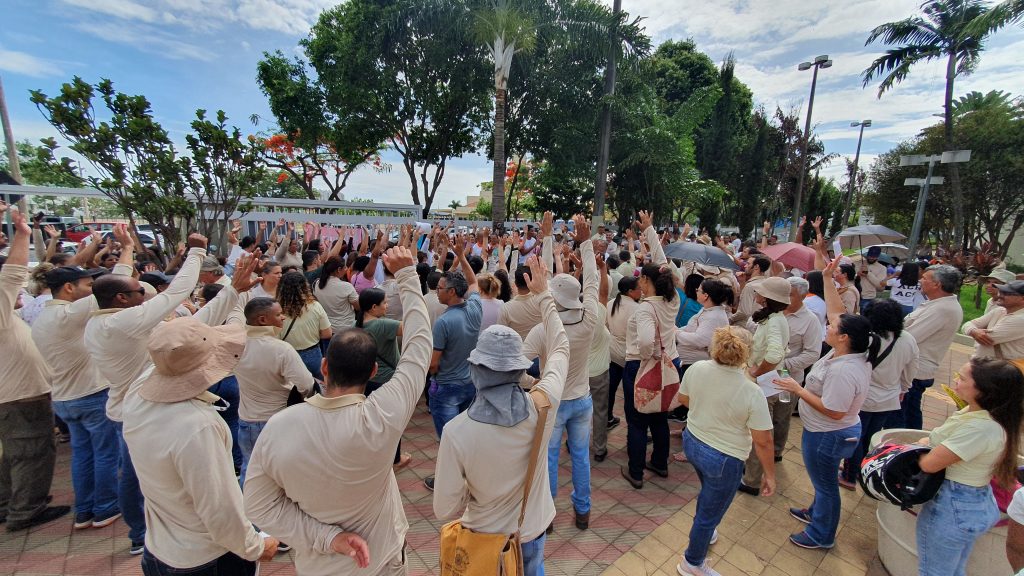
(807, 545)
(82, 524)
(702, 571)
(282, 547)
(106, 521)
(136, 549)
(714, 537)
(429, 483)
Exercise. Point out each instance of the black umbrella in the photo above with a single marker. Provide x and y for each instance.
(701, 254)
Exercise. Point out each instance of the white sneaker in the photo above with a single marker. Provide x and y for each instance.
(686, 569)
(714, 537)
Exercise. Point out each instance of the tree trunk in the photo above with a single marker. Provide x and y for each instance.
(954, 171)
(498, 191)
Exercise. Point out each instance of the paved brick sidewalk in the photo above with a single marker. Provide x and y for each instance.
(632, 532)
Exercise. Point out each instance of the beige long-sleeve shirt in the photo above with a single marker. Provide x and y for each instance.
(59, 333)
(617, 324)
(481, 468)
(266, 373)
(346, 482)
(1006, 331)
(580, 334)
(520, 314)
(869, 285)
(654, 318)
(747, 304)
(804, 342)
(116, 337)
(771, 340)
(933, 324)
(338, 298)
(693, 341)
(25, 373)
(182, 454)
(893, 375)
(286, 258)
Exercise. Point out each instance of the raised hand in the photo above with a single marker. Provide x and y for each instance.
(537, 277)
(196, 240)
(122, 236)
(51, 231)
(582, 226)
(547, 224)
(816, 224)
(646, 219)
(3, 207)
(397, 258)
(245, 267)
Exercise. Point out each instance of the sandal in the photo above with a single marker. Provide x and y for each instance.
(680, 457)
(403, 461)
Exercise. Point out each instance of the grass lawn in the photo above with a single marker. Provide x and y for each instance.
(967, 302)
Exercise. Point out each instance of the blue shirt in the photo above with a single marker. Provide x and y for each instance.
(455, 334)
(687, 310)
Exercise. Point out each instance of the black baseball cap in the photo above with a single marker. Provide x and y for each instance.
(63, 274)
(155, 278)
(1014, 287)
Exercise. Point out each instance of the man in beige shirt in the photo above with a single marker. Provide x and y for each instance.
(79, 392)
(116, 337)
(519, 313)
(933, 324)
(873, 275)
(266, 374)
(1000, 332)
(29, 449)
(758, 268)
(325, 466)
(575, 410)
(182, 451)
(484, 454)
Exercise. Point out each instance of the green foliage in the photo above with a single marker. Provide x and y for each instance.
(137, 165)
(975, 101)
(483, 209)
(279, 185)
(37, 170)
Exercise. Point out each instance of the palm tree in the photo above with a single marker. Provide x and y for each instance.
(975, 101)
(949, 30)
(1007, 12)
(455, 205)
(505, 30)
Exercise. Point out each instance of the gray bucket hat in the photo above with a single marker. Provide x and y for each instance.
(499, 348)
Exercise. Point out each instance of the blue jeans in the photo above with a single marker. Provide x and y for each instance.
(638, 424)
(906, 309)
(312, 357)
(949, 524)
(226, 565)
(94, 453)
(823, 451)
(720, 476)
(911, 406)
(870, 424)
(449, 400)
(129, 494)
(574, 418)
(248, 432)
(533, 556)
(227, 389)
(614, 379)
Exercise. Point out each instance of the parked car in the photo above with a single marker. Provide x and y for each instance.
(82, 231)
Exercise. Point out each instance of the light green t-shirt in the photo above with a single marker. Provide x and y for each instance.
(725, 405)
(977, 439)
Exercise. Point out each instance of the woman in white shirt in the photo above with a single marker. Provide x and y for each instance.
(490, 288)
(620, 310)
(905, 288)
(338, 297)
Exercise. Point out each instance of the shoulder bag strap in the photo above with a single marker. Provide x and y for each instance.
(657, 330)
(540, 400)
(289, 330)
(885, 353)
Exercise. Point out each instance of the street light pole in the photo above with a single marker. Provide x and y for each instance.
(853, 173)
(950, 157)
(819, 62)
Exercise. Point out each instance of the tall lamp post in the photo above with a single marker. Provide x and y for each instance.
(819, 62)
(601, 183)
(950, 157)
(853, 173)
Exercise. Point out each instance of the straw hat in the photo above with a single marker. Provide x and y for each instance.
(774, 288)
(189, 357)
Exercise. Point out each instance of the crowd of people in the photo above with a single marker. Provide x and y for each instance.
(231, 408)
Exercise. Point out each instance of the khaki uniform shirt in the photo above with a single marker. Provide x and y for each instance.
(116, 338)
(877, 275)
(266, 373)
(804, 342)
(182, 454)
(1006, 331)
(481, 468)
(747, 304)
(933, 324)
(654, 317)
(25, 373)
(337, 299)
(520, 314)
(325, 466)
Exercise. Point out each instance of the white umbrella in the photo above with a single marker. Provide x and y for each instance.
(867, 235)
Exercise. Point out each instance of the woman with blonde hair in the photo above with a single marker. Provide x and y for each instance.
(728, 415)
(490, 288)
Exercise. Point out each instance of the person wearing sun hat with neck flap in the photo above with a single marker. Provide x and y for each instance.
(181, 449)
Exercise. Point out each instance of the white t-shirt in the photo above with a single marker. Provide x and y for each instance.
(905, 295)
(817, 306)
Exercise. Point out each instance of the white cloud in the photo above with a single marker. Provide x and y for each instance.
(125, 9)
(27, 64)
(147, 38)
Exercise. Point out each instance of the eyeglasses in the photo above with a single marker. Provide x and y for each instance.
(141, 291)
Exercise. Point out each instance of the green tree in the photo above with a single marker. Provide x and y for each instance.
(388, 72)
(36, 170)
(975, 101)
(455, 204)
(950, 30)
(279, 185)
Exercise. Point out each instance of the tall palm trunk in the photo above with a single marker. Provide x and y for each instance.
(954, 171)
(498, 190)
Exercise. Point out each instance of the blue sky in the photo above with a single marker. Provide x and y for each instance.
(188, 54)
